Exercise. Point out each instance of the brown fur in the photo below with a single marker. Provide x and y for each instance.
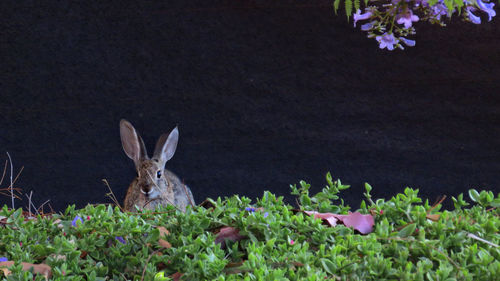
(147, 190)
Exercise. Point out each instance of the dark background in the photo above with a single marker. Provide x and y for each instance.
(265, 93)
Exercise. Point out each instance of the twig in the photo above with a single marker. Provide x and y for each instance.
(8, 194)
(30, 203)
(11, 182)
(18, 174)
(41, 206)
(112, 195)
(298, 204)
(146, 264)
(473, 236)
(171, 203)
(439, 201)
(51, 210)
(187, 195)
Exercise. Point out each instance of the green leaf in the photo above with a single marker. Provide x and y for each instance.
(474, 195)
(459, 4)
(495, 203)
(356, 5)
(329, 179)
(15, 216)
(449, 5)
(328, 266)
(348, 8)
(110, 211)
(336, 5)
(368, 187)
(407, 230)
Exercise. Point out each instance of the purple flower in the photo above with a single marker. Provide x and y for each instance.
(473, 18)
(121, 240)
(488, 8)
(407, 18)
(3, 259)
(358, 16)
(439, 10)
(250, 209)
(408, 42)
(386, 40)
(73, 223)
(367, 26)
(266, 214)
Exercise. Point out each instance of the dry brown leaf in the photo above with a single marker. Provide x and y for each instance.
(83, 254)
(230, 233)
(163, 233)
(433, 217)
(6, 271)
(42, 269)
(164, 243)
(176, 276)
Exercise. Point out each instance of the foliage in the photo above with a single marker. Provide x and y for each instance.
(412, 240)
(391, 21)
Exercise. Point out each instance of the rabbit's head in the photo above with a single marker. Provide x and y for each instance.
(151, 180)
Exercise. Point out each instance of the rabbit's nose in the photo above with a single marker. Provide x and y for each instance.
(146, 190)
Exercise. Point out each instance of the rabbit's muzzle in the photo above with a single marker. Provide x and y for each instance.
(148, 190)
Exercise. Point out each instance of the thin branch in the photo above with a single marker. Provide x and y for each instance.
(18, 174)
(473, 236)
(171, 203)
(41, 206)
(8, 194)
(439, 201)
(112, 195)
(11, 182)
(30, 204)
(146, 264)
(51, 209)
(187, 194)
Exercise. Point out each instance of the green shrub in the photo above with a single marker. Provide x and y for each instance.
(411, 240)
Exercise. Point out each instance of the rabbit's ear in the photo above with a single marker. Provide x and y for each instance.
(166, 145)
(132, 143)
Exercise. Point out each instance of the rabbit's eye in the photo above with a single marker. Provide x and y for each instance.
(158, 174)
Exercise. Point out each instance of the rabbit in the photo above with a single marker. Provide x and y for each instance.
(154, 185)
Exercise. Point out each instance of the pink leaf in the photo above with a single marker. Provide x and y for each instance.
(329, 217)
(362, 223)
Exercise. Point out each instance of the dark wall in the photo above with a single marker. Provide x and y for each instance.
(265, 93)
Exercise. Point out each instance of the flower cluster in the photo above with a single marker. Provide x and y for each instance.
(391, 21)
